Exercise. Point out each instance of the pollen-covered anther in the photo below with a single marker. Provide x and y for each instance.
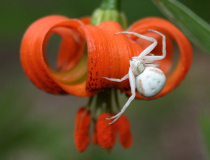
(81, 134)
(106, 134)
(123, 129)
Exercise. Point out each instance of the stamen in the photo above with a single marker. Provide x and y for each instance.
(106, 134)
(81, 133)
(123, 128)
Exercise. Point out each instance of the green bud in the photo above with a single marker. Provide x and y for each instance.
(109, 12)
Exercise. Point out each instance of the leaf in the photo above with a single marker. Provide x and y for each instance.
(194, 27)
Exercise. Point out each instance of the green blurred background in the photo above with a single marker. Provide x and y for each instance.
(35, 125)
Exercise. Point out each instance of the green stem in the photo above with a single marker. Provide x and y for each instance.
(116, 99)
(110, 4)
(103, 102)
(90, 102)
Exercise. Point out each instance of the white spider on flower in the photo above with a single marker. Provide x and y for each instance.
(142, 74)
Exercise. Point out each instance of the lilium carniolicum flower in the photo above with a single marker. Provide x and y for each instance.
(80, 74)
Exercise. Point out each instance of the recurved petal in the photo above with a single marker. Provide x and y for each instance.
(71, 47)
(85, 20)
(184, 46)
(33, 55)
(108, 55)
(166, 63)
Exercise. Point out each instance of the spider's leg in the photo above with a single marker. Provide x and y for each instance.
(148, 49)
(147, 60)
(152, 65)
(154, 58)
(151, 54)
(133, 91)
(117, 80)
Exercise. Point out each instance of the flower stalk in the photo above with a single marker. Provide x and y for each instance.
(110, 4)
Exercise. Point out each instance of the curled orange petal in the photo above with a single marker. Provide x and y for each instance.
(71, 50)
(166, 63)
(184, 46)
(85, 20)
(35, 64)
(108, 55)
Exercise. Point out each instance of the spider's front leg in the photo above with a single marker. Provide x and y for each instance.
(117, 80)
(148, 49)
(153, 57)
(133, 91)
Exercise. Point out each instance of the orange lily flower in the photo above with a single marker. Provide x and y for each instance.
(108, 56)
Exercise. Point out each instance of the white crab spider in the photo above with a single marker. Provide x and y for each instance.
(142, 74)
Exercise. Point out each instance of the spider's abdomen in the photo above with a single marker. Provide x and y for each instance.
(150, 82)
